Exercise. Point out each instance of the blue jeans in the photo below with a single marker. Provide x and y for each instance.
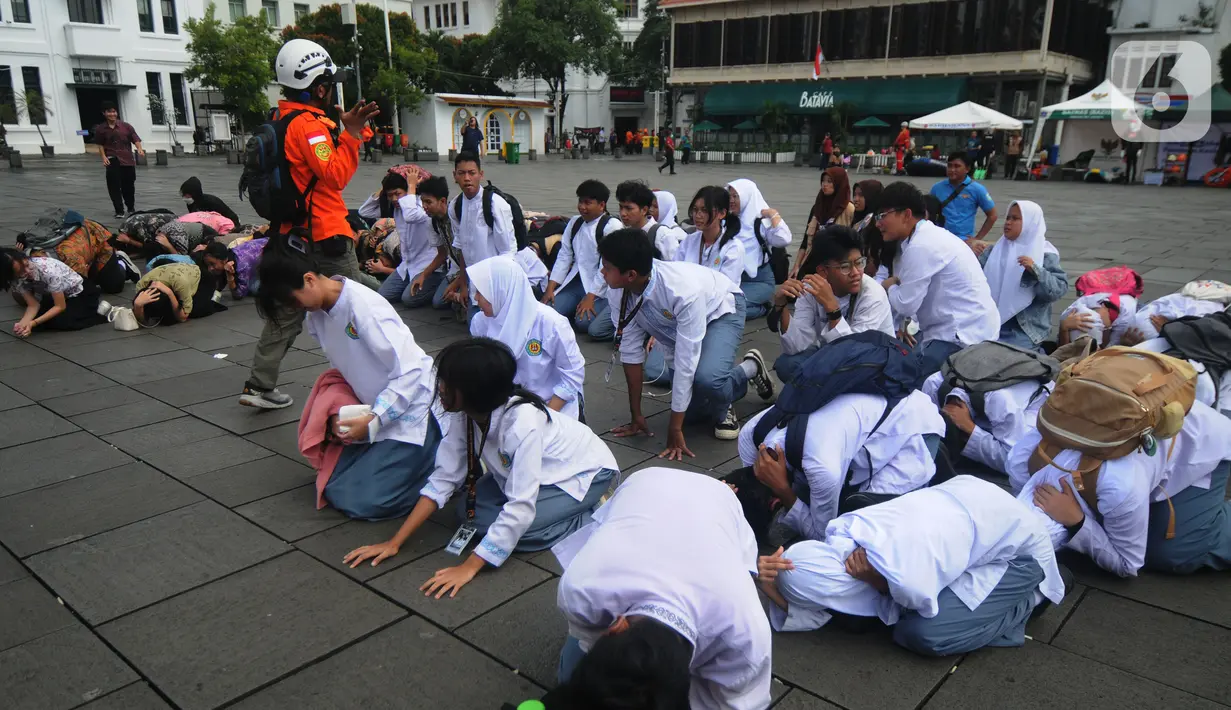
(440, 304)
(932, 355)
(758, 291)
(788, 366)
(1202, 528)
(1012, 334)
(395, 289)
(570, 656)
(598, 326)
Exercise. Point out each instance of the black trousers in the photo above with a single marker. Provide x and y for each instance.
(1010, 166)
(668, 162)
(111, 277)
(121, 185)
(1130, 168)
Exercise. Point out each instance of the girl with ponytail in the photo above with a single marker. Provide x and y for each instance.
(545, 471)
(714, 244)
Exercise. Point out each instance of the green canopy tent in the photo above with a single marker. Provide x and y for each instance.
(706, 126)
(749, 125)
(870, 123)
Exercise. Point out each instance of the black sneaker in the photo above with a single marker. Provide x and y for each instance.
(760, 380)
(264, 399)
(728, 428)
(130, 266)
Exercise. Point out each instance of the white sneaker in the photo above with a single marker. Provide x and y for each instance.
(728, 428)
(104, 308)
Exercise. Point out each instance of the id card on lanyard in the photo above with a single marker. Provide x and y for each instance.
(474, 471)
(619, 335)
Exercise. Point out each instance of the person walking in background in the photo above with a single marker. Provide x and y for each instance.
(900, 145)
(615, 140)
(1131, 149)
(826, 151)
(972, 149)
(116, 139)
(1013, 154)
(668, 144)
(686, 149)
(472, 137)
(602, 139)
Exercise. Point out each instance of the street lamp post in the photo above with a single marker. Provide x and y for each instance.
(397, 118)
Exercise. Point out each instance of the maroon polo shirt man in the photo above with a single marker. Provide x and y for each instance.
(116, 139)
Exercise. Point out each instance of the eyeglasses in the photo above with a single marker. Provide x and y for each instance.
(881, 215)
(849, 267)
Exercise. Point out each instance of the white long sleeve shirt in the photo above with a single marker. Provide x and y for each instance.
(754, 255)
(579, 256)
(893, 459)
(419, 241)
(678, 303)
(367, 342)
(810, 327)
(943, 288)
(524, 451)
(727, 259)
(666, 237)
(959, 535)
(471, 234)
(673, 546)
(1007, 415)
(550, 364)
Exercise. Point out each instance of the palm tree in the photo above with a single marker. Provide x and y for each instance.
(34, 105)
(773, 119)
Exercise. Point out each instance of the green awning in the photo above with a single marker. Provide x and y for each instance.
(896, 97)
(706, 126)
(871, 122)
(749, 125)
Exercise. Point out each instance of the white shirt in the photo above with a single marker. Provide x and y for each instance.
(666, 238)
(1171, 307)
(364, 338)
(674, 546)
(841, 440)
(579, 255)
(549, 363)
(1007, 414)
(727, 260)
(809, 326)
(1127, 486)
(944, 289)
(472, 235)
(417, 240)
(678, 303)
(959, 535)
(524, 451)
(536, 270)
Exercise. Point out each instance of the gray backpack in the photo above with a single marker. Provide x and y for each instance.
(990, 366)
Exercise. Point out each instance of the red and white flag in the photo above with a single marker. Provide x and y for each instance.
(816, 62)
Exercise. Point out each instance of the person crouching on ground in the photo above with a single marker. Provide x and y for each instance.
(55, 297)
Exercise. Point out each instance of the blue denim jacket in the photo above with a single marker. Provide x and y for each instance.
(1050, 284)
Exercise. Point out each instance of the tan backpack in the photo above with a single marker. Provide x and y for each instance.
(1109, 404)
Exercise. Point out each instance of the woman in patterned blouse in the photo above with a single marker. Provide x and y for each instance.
(55, 296)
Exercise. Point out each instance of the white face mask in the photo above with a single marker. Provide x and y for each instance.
(188, 200)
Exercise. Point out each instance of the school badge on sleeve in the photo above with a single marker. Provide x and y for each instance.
(667, 314)
(351, 332)
(534, 348)
(506, 460)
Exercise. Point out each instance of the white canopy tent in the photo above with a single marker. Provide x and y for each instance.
(1099, 104)
(968, 116)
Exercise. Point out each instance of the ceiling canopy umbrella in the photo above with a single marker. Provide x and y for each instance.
(967, 116)
(871, 122)
(749, 125)
(706, 126)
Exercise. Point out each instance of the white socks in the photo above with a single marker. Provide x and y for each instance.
(749, 366)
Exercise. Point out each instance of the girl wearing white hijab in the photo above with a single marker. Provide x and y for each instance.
(665, 211)
(761, 228)
(1024, 274)
(549, 362)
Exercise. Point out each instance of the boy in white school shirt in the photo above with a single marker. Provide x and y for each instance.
(474, 240)
(661, 605)
(576, 288)
(952, 568)
(937, 280)
(696, 313)
(636, 200)
(416, 205)
(833, 298)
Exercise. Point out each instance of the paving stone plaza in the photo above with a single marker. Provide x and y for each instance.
(160, 546)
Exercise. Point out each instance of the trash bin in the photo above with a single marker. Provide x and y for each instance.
(512, 153)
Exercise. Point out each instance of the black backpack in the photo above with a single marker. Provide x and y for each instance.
(1205, 339)
(778, 259)
(598, 228)
(520, 232)
(267, 175)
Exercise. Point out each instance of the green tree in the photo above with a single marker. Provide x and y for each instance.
(543, 38)
(32, 104)
(773, 119)
(647, 62)
(462, 65)
(237, 60)
(1224, 67)
(402, 83)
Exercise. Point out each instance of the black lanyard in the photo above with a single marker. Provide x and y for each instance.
(474, 470)
(624, 321)
(701, 255)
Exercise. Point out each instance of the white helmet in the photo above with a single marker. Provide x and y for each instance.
(301, 62)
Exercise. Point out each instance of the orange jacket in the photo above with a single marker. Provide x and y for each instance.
(311, 150)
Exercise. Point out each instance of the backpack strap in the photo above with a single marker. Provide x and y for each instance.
(306, 195)
(890, 405)
(953, 196)
(488, 216)
(1085, 475)
(601, 227)
(756, 232)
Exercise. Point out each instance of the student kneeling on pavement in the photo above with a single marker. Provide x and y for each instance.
(833, 297)
(54, 296)
(953, 568)
(546, 472)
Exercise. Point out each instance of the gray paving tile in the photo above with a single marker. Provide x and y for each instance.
(214, 643)
(1160, 645)
(292, 515)
(1172, 275)
(54, 379)
(10, 399)
(61, 513)
(627, 456)
(280, 439)
(16, 354)
(94, 400)
(143, 563)
(489, 589)
(137, 696)
(56, 339)
(28, 612)
(126, 416)
(1045, 626)
(163, 436)
(60, 671)
(230, 415)
(159, 367)
(799, 700)
(10, 568)
(204, 336)
(205, 455)
(607, 408)
(526, 633)
(253, 480)
(114, 350)
(305, 375)
(19, 426)
(1041, 676)
(1202, 596)
(857, 671)
(44, 462)
(332, 545)
(410, 660)
(201, 387)
(544, 560)
(709, 451)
